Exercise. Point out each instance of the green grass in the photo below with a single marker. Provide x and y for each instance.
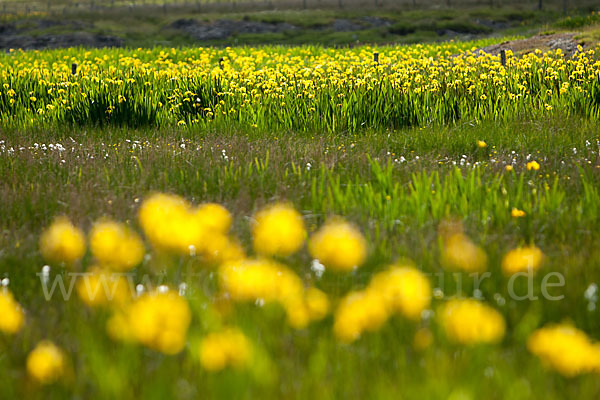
(397, 204)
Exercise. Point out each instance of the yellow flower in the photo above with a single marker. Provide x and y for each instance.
(172, 224)
(566, 349)
(278, 230)
(317, 303)
(521, 259)
(508, 168)
(339, 246)
(157, 320)
(222, 349)
(12, 316)
(166, 221)
(214, 217)
(516, 213)
(481, 144)
(468, 321)
(252, 279)
(301, 310)
(116, 246)
(62, 242)
(358, 312)
(297, 312)
(459, 252)
(100, 288)
(46, 363)
(533, 165)
(404, 289)
(269, 281)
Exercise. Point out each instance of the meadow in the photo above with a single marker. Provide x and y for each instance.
(293, 222)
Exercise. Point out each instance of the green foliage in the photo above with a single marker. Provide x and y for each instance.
(578, 21)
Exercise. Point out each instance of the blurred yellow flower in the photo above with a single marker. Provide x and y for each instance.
(158, 320)
(468, 321)
(222, 349)
(62, 242)
(317, 303)
(521, 259)
(12, 316)
(220, 248)
(509, 168)
(102, 287)
(172, 224)
(400, 289)
(46, 363)
(269, 281)
(481, 144)
(533, 165)
(297, 312)
(460, 253)
(516, 213)
(116, 246)
(278, 230)
(358, 312)
(404, 289)
(566, 349)
(252, 279)
(166, 222)
(213, 217)
(339, 246)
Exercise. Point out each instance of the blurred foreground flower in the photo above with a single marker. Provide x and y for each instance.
(46, 363)
(62, 242)
(12, 317)
(165, 220)
(172, 224)
(468, 321)
(404, 289)
(521, 259)
(160, 321)
(566, 349)
(359, 311)
(400, 289)
(222, 349)
(270, 281)
(278, 230)
(213, 217)
(339, 246)
(116, 246)
(460, 253)
(101, 287)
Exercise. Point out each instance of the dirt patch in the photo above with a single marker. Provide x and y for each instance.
(345, 25)
(83, 39)
(29, 34)
(225, 28)
(563, 41)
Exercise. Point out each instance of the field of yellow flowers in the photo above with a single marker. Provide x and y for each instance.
(300, 88)
(299, 223)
